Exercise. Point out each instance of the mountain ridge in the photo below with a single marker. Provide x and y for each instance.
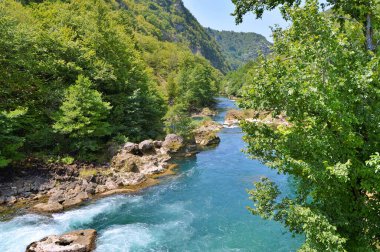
(240, 47)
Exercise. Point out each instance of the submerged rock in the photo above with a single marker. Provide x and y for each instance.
(77, 241)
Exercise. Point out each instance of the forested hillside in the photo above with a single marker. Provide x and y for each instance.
(79, 76)
(169, 20)
(240, 47)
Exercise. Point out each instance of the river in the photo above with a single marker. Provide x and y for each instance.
(201, 208)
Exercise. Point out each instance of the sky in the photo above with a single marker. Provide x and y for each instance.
(216, 14)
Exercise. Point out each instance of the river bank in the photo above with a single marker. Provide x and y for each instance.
(51, 187)
(199, 208)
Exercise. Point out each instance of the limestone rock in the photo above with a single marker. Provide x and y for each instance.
(100, 189)
(72, 202)
(131, 178)
(147, 147)
(173, 143)
(52, 207)
(157, 144)
(11, 200)
(77, 241)
(131, 148)
(126, 162)
(206, 135)
(111, 185)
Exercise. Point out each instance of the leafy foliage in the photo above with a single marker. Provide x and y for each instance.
(365, 12)
(124, 85)
(82, 116)
(169, 20)
(234, 81)
(327, 83)
(10, 140)
(240, 47)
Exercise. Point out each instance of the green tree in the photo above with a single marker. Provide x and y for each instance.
(197, 83)
(83, 116)
(178, 121)
(363, 11)
(10, 140)
(327, 83)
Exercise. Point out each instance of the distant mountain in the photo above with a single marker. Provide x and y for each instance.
(240, 47)
(169, 20)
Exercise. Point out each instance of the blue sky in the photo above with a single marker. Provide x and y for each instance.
(216, 14)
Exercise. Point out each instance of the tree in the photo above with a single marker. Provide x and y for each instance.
(363, 11)
(178, 121)
(197, 83)
(83, 116)
(10, 141)
(327, 83)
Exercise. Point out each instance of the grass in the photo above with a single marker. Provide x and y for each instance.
(85, 173)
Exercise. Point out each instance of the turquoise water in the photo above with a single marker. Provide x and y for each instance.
(202, 208)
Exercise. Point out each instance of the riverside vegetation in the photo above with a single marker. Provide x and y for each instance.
(323, 74)
(79, 76)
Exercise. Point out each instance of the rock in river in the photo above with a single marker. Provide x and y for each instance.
(77, 241)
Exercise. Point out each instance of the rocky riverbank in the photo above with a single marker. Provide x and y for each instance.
(51, 188)
(234, 117)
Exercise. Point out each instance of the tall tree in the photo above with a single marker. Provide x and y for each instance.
(83, 116)
(10, 140)
(327, 83)
(363, 11)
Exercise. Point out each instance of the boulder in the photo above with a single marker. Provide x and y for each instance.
(131, 178)
(147, 147)
(11, 200)
(72, 202)
(90, 188)
(57, 196)
(174, 143)
(77, 241)
(153, 164)
(131, 148)
(100, 189)
(207, 138)
(206, 135)
(126, 163)
(51, 207)
(157, 144)
(111, 185)
(151, 168)
(82, 196)
(2, 200)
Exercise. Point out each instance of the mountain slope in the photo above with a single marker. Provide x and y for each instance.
(240, 47)
(169, 20)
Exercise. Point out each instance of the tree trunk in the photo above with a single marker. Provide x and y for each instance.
(369, 33)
